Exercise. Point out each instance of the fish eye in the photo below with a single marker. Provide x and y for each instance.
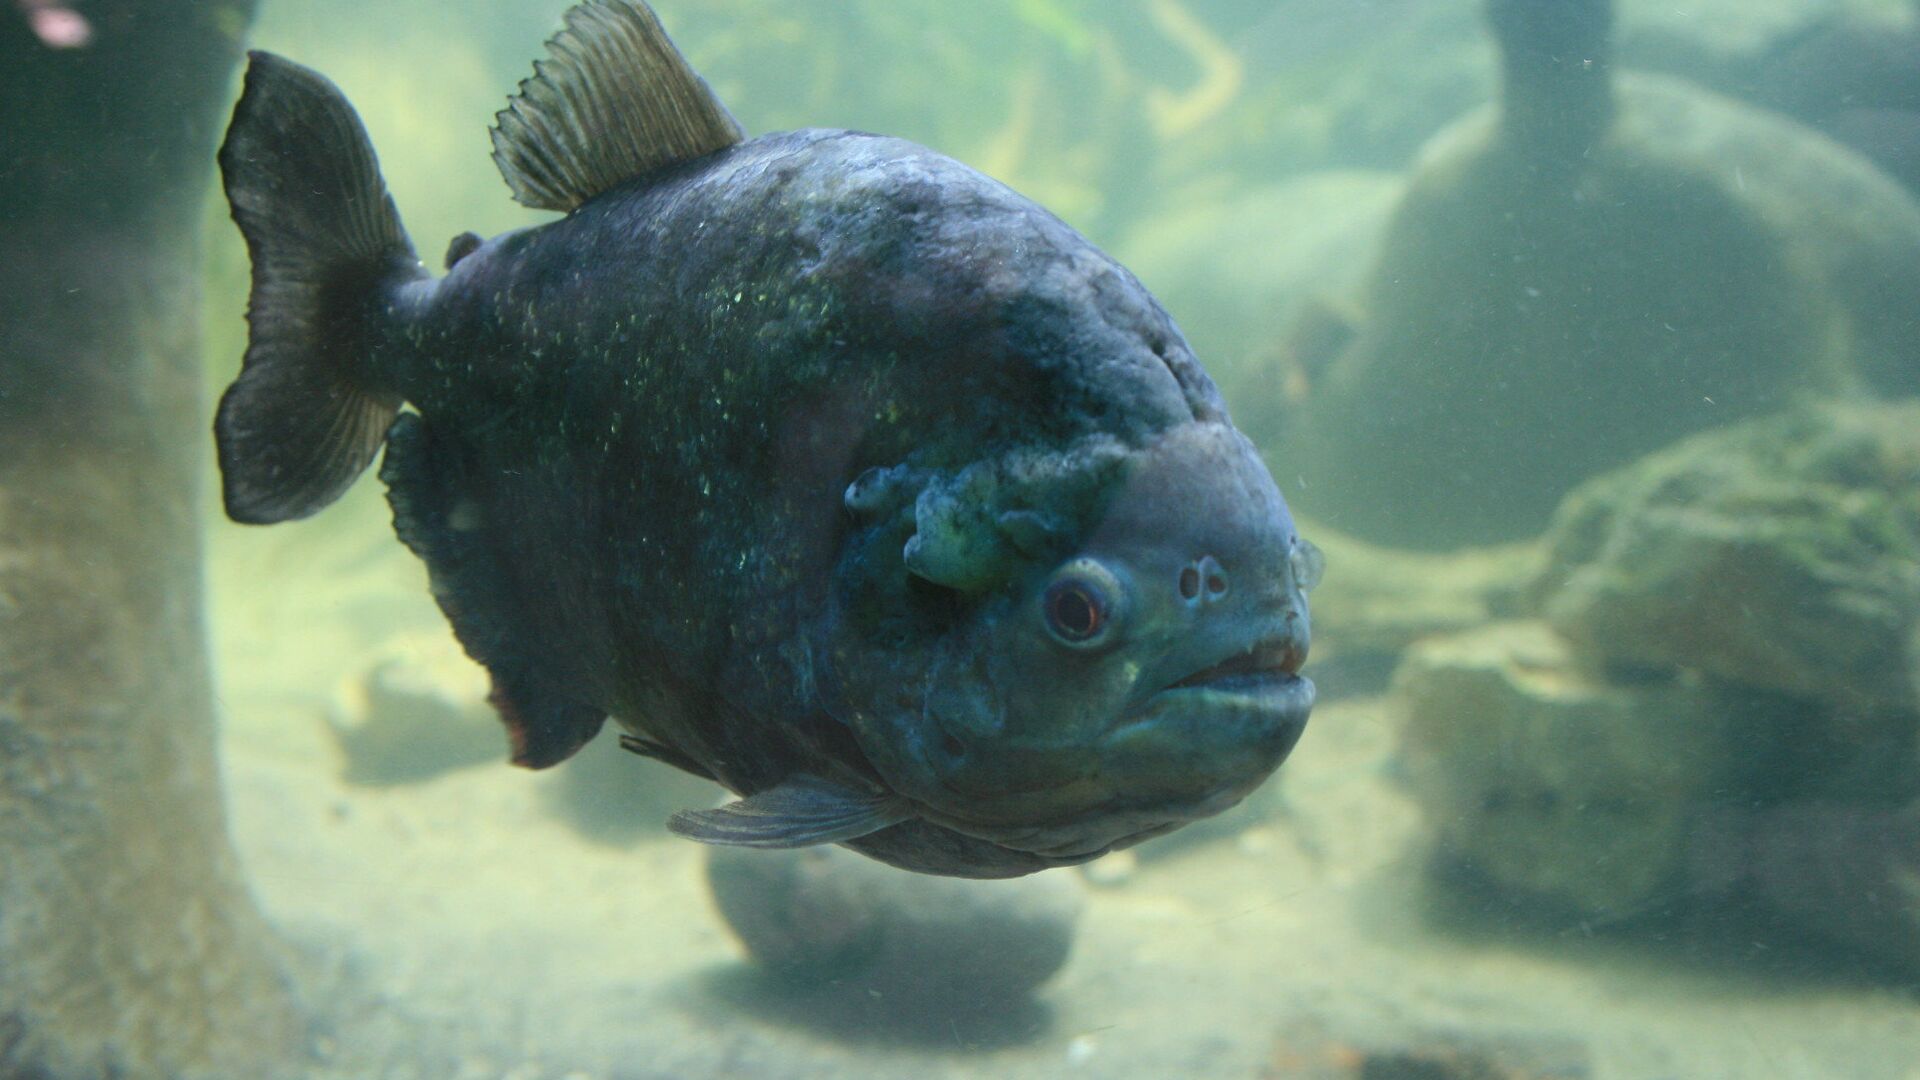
(1080, 605)
(1075, 612)
(1307, 562)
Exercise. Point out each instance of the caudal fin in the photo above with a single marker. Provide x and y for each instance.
(307, 414)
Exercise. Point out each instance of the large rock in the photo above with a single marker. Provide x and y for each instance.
(1840, 873)
(1845, 69)
(1560, 790)
(1722, 703)
(825, 915)
(1588, 271)
(1782, 554)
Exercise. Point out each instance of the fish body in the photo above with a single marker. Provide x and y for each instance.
(830, 468)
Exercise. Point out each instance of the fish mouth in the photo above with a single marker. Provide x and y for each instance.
(1184, 752)
(1261, 684)
(1275, 659)
(1231, 722)
(1204, 741)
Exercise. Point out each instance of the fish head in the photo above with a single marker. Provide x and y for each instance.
(1144, 675)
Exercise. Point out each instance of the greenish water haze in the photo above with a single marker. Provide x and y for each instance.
(1612, 778)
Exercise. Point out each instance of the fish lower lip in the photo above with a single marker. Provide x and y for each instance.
(1268, 688)
(1271, 702)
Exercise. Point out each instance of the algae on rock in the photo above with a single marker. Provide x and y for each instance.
(1782, 554)
(1718, 705)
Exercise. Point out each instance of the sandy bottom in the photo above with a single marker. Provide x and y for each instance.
(472, 932)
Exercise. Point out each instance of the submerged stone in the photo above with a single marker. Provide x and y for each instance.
(1837, 873)
(1583, 274)
(1555, 788)
(824, 915)
(1782, 555)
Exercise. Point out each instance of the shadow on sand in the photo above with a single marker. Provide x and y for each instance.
(856, 1013)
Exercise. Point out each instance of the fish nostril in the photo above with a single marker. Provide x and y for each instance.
(953, 746)
(1203, 574)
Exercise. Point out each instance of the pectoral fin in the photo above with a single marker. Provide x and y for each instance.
(799, 812)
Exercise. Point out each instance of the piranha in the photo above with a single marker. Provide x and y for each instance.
(831, 469)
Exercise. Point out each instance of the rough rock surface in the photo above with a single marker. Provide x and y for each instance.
(1718, 705)
(1782, 554)
(1557, 788)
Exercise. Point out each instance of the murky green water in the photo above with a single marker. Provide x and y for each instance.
(1600, 402)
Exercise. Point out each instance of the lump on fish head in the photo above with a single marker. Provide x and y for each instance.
(1056, 652)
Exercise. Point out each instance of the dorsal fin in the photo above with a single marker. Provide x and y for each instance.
(615, 100)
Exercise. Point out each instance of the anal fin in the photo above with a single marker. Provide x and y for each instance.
(800, 811)
(427, 482)
(541, 729)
